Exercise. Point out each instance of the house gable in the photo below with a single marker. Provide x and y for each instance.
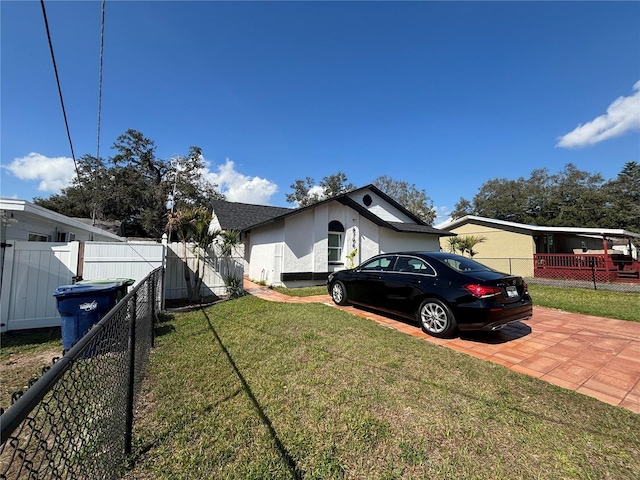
(283, 245)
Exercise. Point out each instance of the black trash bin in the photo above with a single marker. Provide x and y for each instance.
(82, 306)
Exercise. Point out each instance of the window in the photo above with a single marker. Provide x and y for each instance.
(380, 263)
(36, 237)
(335, 237)
(548, 244)
(413, 265)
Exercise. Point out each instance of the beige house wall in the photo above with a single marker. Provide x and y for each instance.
(504, 250)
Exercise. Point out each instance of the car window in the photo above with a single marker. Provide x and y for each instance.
(380, 263)
(413, 265)
(420, 266)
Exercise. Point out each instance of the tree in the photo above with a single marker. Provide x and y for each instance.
(466, 244)
(623, 199)
(192, 226)
(228, 241)
(134, 186)
(305, 192)
(414, 200)
(453, 244)
(570, 198)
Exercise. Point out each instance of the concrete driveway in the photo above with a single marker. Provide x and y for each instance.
(599, 357)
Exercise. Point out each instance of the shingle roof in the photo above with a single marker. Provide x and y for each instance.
(242, 216)
(239, 216)
(416, 228)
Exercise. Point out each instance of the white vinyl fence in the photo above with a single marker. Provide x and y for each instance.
(215, 271)
(32, 271)
(133, 260)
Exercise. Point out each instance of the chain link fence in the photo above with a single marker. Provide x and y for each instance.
(76, 420)
(560, 272)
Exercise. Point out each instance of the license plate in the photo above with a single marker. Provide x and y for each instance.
(512, 292)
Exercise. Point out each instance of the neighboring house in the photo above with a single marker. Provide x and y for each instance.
(294, 247)
(41, 250)
(550, 251)
(22, 220)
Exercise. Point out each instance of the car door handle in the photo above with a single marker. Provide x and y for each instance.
(416, 282)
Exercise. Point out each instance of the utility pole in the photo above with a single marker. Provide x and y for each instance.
(174, 162)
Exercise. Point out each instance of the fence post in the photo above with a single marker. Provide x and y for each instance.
(151, 297)
(132, 368)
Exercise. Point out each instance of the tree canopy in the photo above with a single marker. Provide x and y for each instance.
(134, 186)
(570, 198)
(414, 200)
(306, 192)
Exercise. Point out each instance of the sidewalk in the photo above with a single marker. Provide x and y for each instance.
(599, 357)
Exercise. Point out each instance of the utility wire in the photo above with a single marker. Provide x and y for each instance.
(100, 80)
(55, 69)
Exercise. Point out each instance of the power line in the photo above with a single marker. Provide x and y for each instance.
(55, 69)
(100, 80)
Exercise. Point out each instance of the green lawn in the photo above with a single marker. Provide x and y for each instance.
(601, 303)
(257, 389)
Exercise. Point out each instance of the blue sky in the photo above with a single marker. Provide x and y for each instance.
(445, 95)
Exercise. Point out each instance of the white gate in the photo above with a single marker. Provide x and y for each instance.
(31, 272)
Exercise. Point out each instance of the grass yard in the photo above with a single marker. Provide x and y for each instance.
(22, 356)
(601, 303)
(257, 389)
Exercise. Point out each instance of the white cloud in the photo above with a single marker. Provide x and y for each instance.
(443, 216)
(316, 191)
(54, 173)
(241, 188)
(622, 116)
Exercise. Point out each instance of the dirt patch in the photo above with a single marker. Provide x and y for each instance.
(17, 368)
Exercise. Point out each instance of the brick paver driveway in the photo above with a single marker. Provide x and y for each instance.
(599, 357)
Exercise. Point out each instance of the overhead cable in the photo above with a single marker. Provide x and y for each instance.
(100, 80)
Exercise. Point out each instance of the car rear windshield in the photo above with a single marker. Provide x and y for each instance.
(464, 265)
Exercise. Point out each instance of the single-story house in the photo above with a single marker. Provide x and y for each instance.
(24, 221)
(295, 247)
(551, 252)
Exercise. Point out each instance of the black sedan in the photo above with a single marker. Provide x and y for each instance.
(443, 291)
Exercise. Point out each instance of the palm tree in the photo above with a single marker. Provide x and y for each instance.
(454, 243)
(192, 225)
(466, 244)
(228, 241)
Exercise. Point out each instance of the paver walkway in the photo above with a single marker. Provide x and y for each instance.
(599, 357)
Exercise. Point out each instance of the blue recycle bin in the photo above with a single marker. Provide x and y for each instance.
(82, 306)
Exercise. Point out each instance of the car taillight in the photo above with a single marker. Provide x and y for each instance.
(482, 291)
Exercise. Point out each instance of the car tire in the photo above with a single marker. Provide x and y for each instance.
(339, 293)
(436, 318)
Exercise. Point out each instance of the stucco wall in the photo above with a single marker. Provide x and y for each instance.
(263, 244)
(380, 207)
(398, 242)
(299, 241)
